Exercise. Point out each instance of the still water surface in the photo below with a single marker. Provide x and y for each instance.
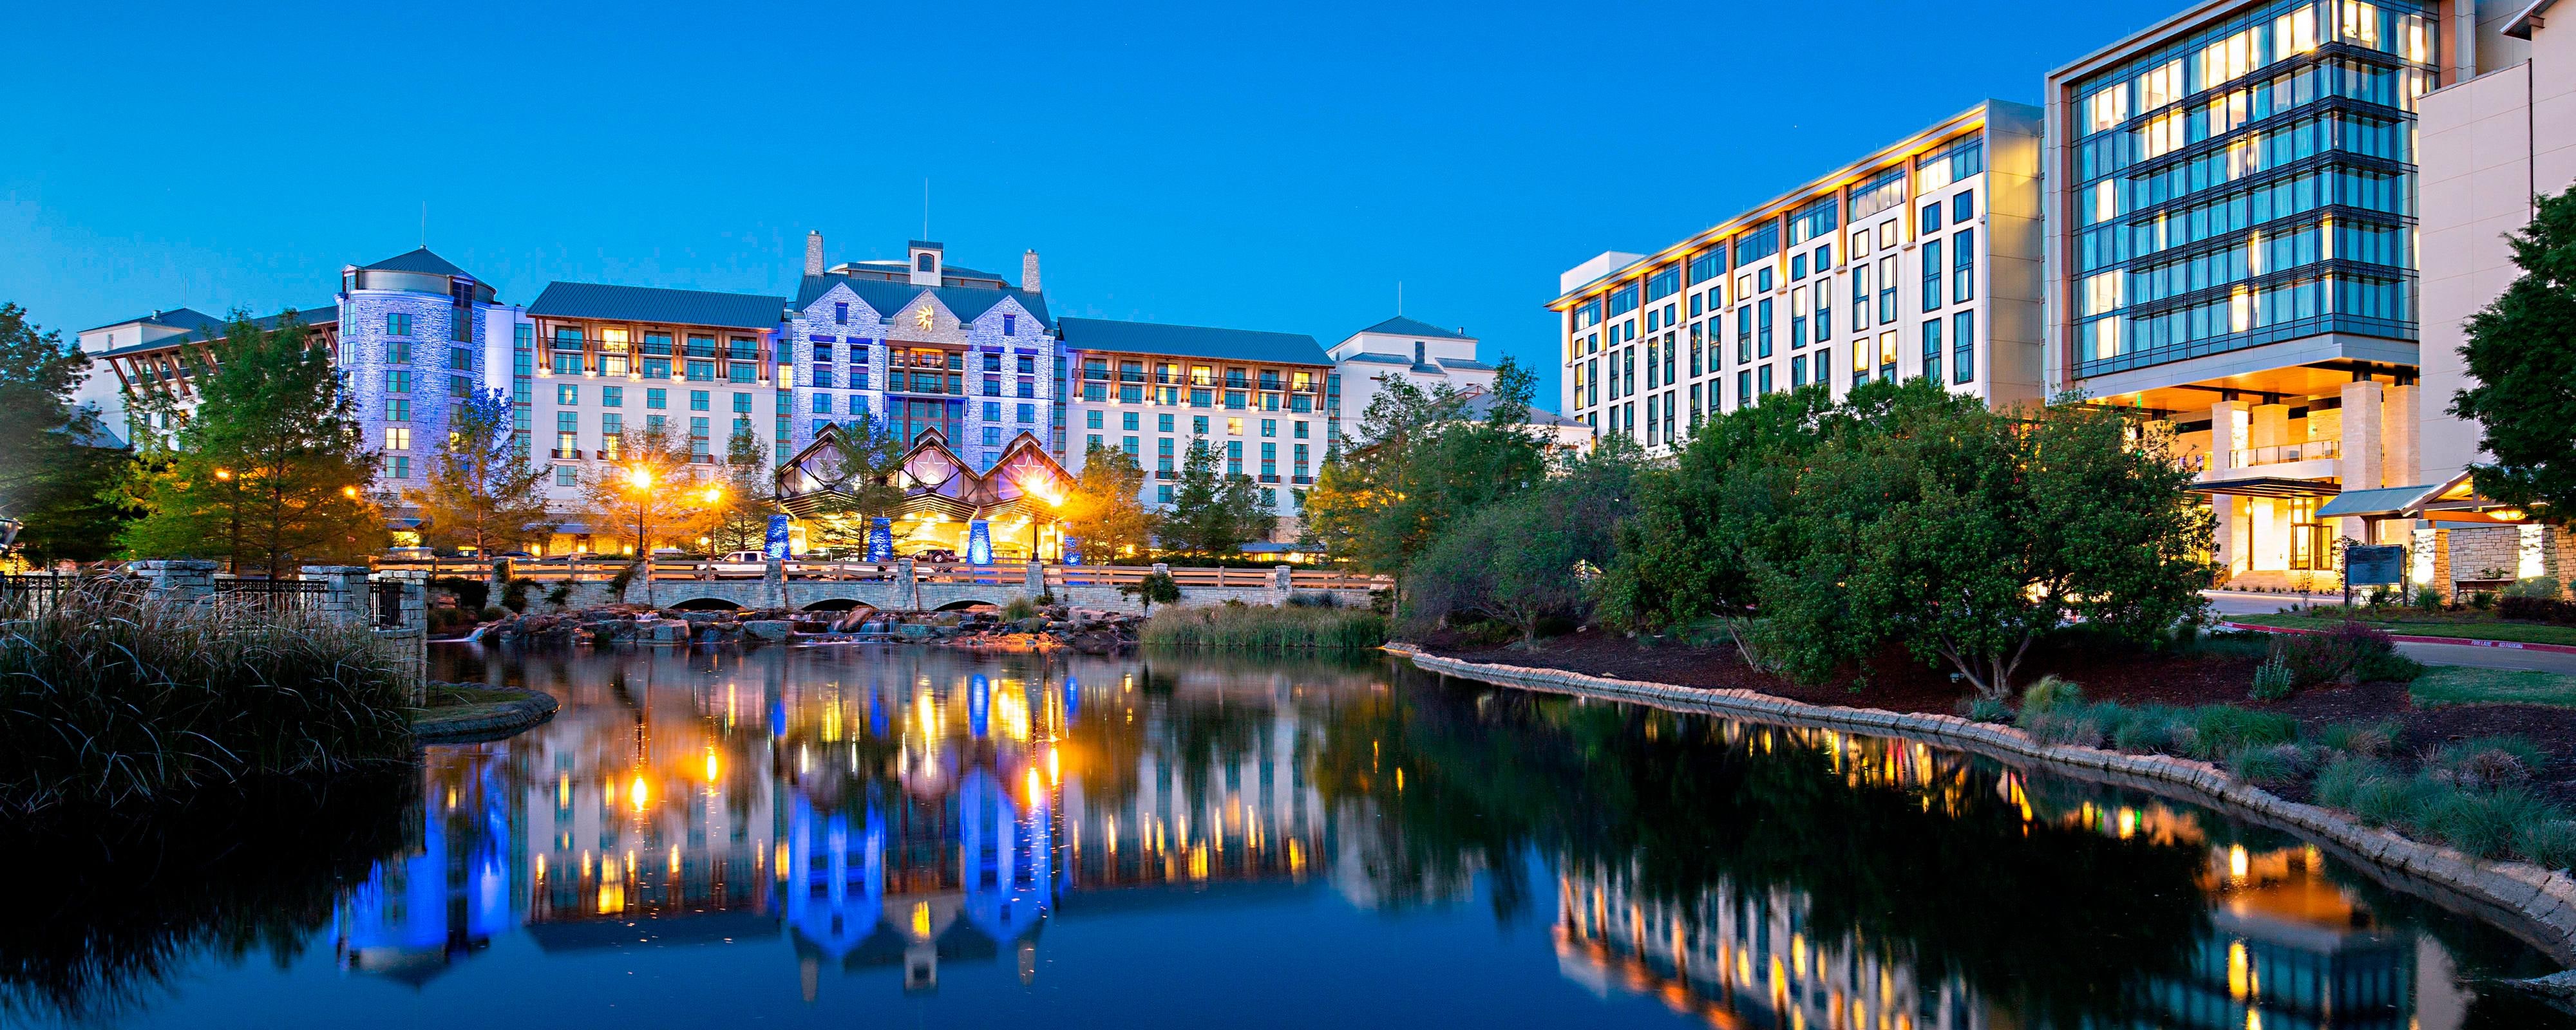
(873, 836)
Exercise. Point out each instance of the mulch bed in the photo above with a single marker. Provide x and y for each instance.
(1898, 683)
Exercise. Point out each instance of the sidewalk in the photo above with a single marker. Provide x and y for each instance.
(2485, 654)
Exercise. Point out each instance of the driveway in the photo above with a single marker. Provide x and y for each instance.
(2232, 602)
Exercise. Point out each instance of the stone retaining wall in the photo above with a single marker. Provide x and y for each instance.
(2535, 904)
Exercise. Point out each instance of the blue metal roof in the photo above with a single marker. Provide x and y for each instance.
(1402, 326)
(176, 318)
(654, 304)
(966, 302)
(201, 326)
(1189, 341)
(417, 261)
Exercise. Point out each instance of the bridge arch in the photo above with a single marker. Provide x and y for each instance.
(959, 606)
(706, 604)
(836, 604)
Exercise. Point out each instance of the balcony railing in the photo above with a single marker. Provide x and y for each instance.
(2282, 454)
(569, 454)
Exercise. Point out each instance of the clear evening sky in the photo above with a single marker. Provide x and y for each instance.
(1256, 166)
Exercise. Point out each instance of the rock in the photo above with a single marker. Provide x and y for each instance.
(915, 631)
(769, 629)
(1033, 624)
(669, 632)
(947, 619)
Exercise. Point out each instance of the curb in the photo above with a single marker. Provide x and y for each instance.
(2410, 638)
(472, 723)
(2536, 904)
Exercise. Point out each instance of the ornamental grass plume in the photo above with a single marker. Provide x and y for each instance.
(108, 697)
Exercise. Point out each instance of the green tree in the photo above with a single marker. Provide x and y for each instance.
(1687, 553)
(864, 463)
(1105, 512)
(2522, 356)
(60, 472)
(1214, 512)
(649, 494)
(1965, 534)
(1421, 459)
(1155, 588)
(1534, 556)
(270, 470)
(742, 514)
(480, 491)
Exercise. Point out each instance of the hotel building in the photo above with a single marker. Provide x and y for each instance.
(2233, 241)
(1260, 399)
(1921, 259)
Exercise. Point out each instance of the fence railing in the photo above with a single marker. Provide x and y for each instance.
(598, 570)
(385, 599)
(26, 595)
(275, 595)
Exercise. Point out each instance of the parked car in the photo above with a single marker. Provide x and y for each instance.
(736, 564)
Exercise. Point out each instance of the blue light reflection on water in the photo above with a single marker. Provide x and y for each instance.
(827, 836)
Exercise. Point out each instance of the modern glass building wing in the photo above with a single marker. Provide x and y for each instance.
(2245, 182)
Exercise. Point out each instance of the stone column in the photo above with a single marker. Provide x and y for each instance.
(182, 581)
(1283, 581)
(2399, 426)
(904, 585)
(773, 575)
(2360, 464)
(347, 595)
(2228, 424)
(1034, 580)
(2269, 426)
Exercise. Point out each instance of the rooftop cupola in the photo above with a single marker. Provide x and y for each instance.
(923, 257)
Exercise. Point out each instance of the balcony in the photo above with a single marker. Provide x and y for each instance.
(1269, 477)
(571, 455)
(2287, 470)
(1301, 480)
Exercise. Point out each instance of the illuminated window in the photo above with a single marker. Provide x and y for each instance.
(398, 438)
(2160, 86)
(2106, 109)
(2294, 33)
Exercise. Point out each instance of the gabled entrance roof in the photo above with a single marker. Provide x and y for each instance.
(933, 477)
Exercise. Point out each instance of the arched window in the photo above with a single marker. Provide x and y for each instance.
(926, 262)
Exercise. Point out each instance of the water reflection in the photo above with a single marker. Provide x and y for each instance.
(873, 821)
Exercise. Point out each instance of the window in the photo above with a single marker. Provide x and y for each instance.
(1963, 206)
(398, 353)
(925, 263)
(1163, 423)
(1091, 420)
(1269, 427)
(398, 409)
(822, 404)
(1950, 162)
(992, 411)
(1963, 265)
(1011, 327)
(1298, 430)
(460, 359)
(1932, 349)
(1705, 266)
(398, 438)
(459, 386)
(702, 371)
(1930, 220)
(1126, 420)
(1163, 494)
(1877, 193)
(566, 475)
(1815, 218)
(397, 381)
(1198, 425)
(612, 396)
(1234, 457)
(1762, 334)
(397, 324)
(656, 397)
(993, 436)
(742, 404)
(401, 467)
(1743, 388)
(1662, 283)
(698, 400)
(1766, 378)
(1931, 274)
(2106, 109)
(1029, 413)
(1887, 285)
(567, 394)
(1234, 427)
(1860, 296)
(1963, 347)
(841, 313)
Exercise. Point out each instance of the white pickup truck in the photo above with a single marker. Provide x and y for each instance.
(737, 564)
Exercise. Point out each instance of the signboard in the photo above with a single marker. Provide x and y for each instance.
(979, 543)
(1071, 551)
(776, 544)
(2374, 564)
(880, 539)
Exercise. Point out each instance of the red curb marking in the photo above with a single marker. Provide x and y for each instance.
(2409, 638)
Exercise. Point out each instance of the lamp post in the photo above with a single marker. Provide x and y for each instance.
(232, 510)
(639, 482)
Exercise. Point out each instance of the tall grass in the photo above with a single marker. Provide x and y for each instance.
(1262, 628)
(109, 698)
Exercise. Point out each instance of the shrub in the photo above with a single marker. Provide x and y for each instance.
(617, 583)
(560, 594)
(2535, 609)
(2340, 784)
(1019, 608)
(2067, 723)
(2549, 843)
(492, 613)
(2486, 763)
(2274, 764)
(2231, 643)
(1313, 599)
(514, 594)
(2482, 823)
(2542, 587)
(2428, 599)
(470, 593)
(1265, 628)
(2220, 730)
(2149, 728)
(2365, 740)
(2273, 680)
(2382, 800)
(2339, 655)
(2482, 600)
(107, 698)
(2051, 692)
(1985, 709)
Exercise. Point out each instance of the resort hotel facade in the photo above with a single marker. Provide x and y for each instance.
(967, 364)
(2260, 225)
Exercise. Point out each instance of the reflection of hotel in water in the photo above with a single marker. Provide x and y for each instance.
(892, 815)
(2287, 949)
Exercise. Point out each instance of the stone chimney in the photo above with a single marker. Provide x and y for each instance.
(1029, 272)
(814, 252)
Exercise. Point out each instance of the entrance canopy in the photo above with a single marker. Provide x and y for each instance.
(943, 495)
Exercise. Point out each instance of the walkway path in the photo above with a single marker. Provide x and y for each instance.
(2231, 602)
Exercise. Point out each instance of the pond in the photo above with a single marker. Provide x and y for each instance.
(847, 836)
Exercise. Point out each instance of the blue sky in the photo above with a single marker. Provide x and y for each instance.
(1277, 167)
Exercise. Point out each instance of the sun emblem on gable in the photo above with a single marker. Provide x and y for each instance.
(924, 317)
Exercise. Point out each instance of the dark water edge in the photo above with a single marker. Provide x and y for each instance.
(833, 835)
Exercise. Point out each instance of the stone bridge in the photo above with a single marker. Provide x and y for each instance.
(903, 588)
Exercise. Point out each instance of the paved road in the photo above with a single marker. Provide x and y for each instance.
(2229, 602)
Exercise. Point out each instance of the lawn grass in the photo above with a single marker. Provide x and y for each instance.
(2464, 685)
(2468, 625)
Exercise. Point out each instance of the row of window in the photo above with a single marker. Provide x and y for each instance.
(568, 395)
(2248, 316)
(1953, 361)
(402, 380)
(1302, 456)
(2246, 44)
(841, 316)
(460, 325)
(1199, 424)
(2389, 194)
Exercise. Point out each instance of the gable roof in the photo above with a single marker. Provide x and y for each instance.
(655, 304)
(1402, 326)
(197, 326)
(968, 303)
(1190, 341)
(420, 260)
(175, 318)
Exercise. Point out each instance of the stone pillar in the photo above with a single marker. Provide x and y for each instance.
(1034, 581)
(2399, 426)
(2228, 425)
(1283, 580)
(2359, 466)
(773, 578)
(905, 587)
(2270, 426)
(347, 595)
(177, 580)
